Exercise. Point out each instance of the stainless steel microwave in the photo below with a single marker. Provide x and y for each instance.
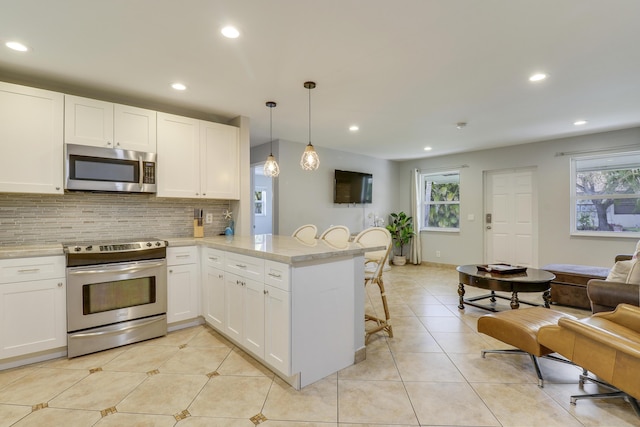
(90, 168)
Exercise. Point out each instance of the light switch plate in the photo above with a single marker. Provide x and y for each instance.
(209, 218)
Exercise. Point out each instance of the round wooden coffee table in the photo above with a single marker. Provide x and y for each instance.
(532, 280)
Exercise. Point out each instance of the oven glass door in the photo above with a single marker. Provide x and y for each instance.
(100, 295)
(114, 295)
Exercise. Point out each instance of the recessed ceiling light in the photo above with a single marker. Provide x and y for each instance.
(427, 148)
(579, 122)
(17, 46)
(354, 128)
(537, 77)
(230, 32)
(178, 86)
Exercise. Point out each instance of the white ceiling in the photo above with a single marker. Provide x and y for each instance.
(405, 71)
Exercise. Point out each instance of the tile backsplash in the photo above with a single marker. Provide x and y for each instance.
(27, 219)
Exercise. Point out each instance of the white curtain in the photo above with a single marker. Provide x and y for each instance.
(415, 255)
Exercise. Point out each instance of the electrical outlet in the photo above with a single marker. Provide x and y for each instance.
(209, 218)
(437, 254)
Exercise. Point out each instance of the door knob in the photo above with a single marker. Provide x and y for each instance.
(488, 227)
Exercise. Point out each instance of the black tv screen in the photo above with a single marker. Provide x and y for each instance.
(352, 187)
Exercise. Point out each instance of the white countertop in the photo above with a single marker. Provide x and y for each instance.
(29, 251)
(287, 249)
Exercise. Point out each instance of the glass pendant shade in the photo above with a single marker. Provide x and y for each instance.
(310, 160)
(271, 168)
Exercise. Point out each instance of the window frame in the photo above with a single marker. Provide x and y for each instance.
(574, 197)
(425, 203)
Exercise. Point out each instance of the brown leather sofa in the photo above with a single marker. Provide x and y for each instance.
(605, 296)
(605, 344)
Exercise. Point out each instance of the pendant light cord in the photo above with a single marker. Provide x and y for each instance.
(271, 131)
(309, 114)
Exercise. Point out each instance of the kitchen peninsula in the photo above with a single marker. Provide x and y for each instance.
(295, 305)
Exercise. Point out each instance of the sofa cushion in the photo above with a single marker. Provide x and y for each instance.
(620, 271)
(634, 272)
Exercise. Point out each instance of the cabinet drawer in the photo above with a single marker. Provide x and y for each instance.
(182, 255)
(213, 258)
(28, 269)
(245, 266)
(277, 275)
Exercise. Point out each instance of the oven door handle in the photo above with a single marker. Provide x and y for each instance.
(114, 331)
(132, 269)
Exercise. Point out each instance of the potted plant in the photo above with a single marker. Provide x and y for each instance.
(401, 229)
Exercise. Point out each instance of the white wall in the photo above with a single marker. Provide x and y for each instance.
(553, 171)
(307, 197)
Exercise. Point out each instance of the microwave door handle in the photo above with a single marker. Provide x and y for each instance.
(140, 172)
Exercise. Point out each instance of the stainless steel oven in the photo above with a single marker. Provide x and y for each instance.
(116, 294)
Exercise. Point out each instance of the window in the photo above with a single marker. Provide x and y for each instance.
(606, 195)
(441, 201)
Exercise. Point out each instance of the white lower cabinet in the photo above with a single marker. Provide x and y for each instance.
(32, 305)
(213, 284)
(248, 300)
(277, 327)
(183, 284)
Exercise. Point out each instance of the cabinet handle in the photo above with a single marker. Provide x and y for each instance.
(29, 270)
(266, 292)
(276, 275)
(183, 256)
(213, 259)
(204, 194)
(220, 276)
(57, 188)
(241, 266)
(60, 284)
(238, 282)
(170, 271)
(108, 142)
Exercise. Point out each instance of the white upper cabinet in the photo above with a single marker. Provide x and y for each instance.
(31, 135)
(104, 124)
(219, 161)
(178, 156)
(197, 159)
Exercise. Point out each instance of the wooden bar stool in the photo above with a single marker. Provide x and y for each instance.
(374, 264)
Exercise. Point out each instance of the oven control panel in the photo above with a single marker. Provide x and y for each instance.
(115, 247)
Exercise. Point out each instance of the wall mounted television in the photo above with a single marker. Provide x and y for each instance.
(352, 187)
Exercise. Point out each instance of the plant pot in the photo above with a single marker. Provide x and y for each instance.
(399, 260)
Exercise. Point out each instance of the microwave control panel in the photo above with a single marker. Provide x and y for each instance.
(149, 173)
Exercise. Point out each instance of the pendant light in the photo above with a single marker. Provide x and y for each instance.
(310, 160)
(271, 168)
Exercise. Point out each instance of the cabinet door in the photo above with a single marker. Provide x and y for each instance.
(219, 161)
(178, 156)
(88, 121)
(37, 314)
(135, 128)
(253, 339)
(214, 299)
(234, 306)
(31, 134)
(277, 340)
(182, 292)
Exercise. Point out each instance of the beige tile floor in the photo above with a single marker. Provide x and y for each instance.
(429, 374)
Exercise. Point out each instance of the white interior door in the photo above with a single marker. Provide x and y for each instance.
(511, 230)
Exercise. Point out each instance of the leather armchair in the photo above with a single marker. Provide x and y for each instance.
(606, 344)
(605, 296)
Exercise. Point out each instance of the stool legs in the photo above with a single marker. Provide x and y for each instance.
(382, 324)
(613, 394)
